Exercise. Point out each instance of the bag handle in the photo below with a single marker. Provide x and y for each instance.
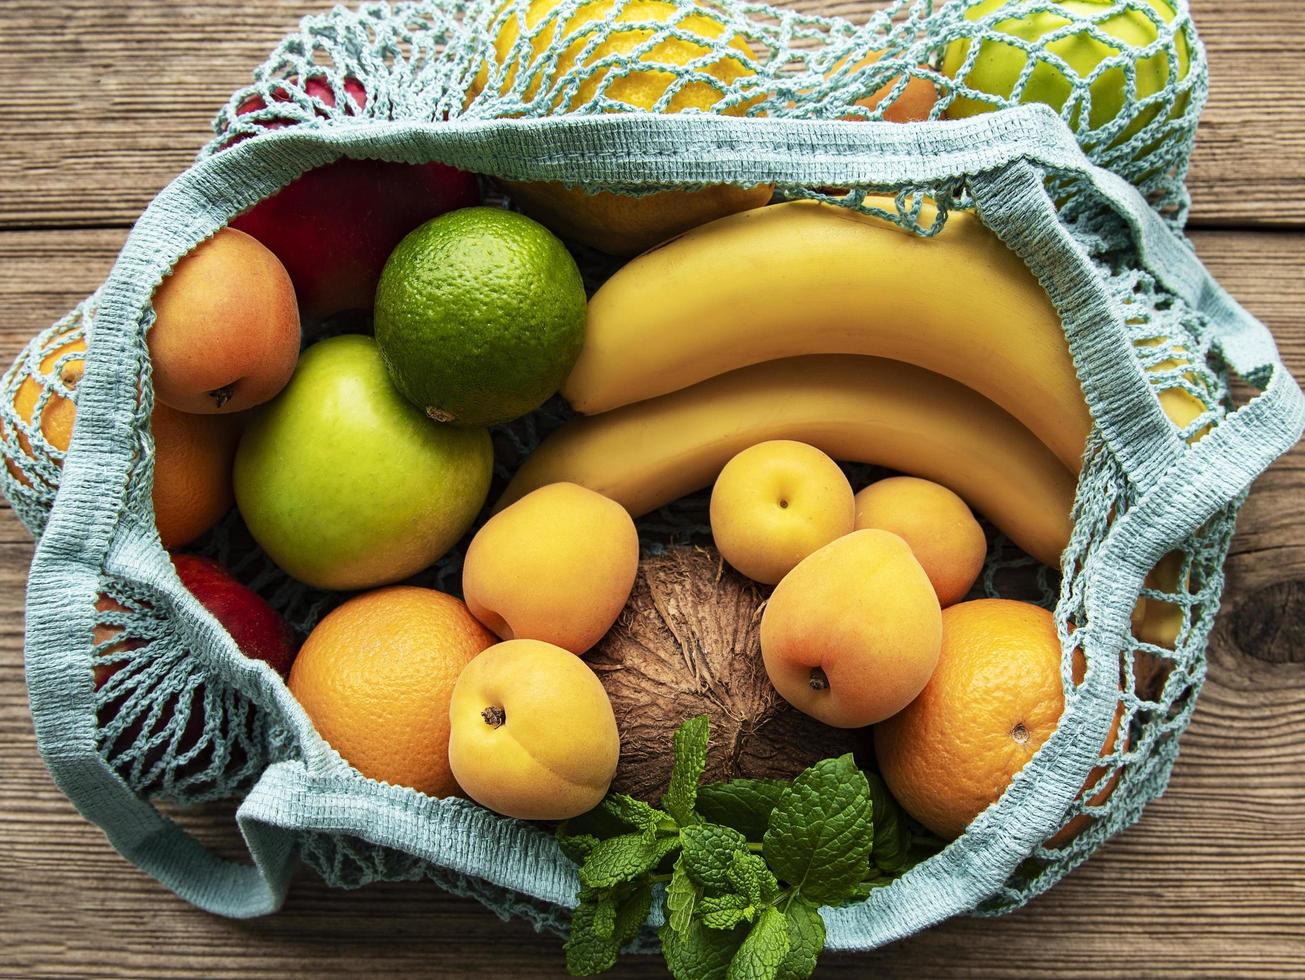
(61, 693)
(1014, 205)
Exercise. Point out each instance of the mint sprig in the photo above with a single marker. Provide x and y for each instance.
(746, 866)
(821, 832)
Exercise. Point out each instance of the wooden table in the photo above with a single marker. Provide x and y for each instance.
(103, 101)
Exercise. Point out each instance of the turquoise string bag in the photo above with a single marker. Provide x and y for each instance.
(1091, 196)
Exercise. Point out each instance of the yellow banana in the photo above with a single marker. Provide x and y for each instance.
(858, 409)
(810, 278)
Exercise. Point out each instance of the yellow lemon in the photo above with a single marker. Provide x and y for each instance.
(618, 223)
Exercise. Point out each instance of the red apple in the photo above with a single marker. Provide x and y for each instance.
(334, 227)
(259, 631)
(315, 86)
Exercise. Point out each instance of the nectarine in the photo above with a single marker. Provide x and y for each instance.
(938, 525)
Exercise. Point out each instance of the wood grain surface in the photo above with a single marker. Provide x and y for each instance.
(102, 101)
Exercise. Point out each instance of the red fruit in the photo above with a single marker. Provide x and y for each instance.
(334, 227)
(259, 632)
(317, 87)
(103, 634)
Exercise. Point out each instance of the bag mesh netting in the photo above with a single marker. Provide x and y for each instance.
(746, 94)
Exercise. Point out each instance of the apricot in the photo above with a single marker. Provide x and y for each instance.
(226, 328)
(557, 566)
(775, 503)
(532, 733)
(938, 525)
(853, 633)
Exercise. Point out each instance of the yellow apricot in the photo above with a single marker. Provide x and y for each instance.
(555, 566)
(940, 529)
(775, 503)
(532, 733)
(853, 633)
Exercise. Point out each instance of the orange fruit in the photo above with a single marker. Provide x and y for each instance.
(58, 413)
(376, 676)
(912, 104)
(193, 453)
(992, 701)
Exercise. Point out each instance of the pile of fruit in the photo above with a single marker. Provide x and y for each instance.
(822, 670)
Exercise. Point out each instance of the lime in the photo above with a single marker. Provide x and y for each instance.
(480, 315)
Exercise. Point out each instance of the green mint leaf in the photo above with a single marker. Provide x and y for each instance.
(690, 762)
(603, 922)
(743, 804)
(750, 877)
(763, 949)
(681, 898)
(632, 912)
(617, 814)
(708, 850)
(624, 858)
(630, 812)
(806, 938)
(820, 833)
(753, 889)
(587, 952)
(725, 911)
(891, 853)
(699, 953)
(577, 847)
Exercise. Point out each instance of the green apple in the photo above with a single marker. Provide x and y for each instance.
(345, 484)
(997, 66)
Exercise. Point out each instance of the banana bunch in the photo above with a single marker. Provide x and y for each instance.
(941, 357)
(811, 278)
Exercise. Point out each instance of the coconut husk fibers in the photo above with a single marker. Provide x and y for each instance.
(689, 642)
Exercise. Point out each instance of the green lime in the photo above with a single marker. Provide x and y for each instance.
(480, 315)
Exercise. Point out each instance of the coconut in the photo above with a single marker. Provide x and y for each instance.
(688, 643)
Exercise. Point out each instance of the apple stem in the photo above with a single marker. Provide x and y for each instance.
(222, 395)
(819, 682)
(494, 716)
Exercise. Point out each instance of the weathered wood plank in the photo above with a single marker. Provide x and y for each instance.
(124, 94)
(1207, 883)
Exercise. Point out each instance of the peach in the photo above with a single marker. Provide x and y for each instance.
(557, 566)
(226, 328)
(941, 530)
(775, 503)
(853, 633)
(532, 733)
